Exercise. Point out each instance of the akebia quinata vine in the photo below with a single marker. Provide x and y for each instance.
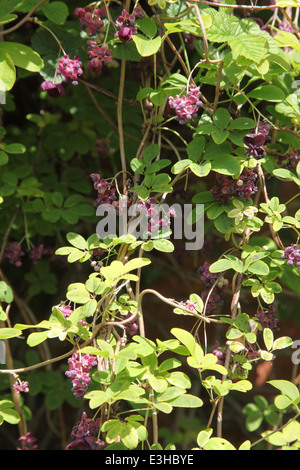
(149, 207)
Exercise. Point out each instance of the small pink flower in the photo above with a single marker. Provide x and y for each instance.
(21, 386)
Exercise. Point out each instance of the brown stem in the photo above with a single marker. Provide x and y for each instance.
(26, 18)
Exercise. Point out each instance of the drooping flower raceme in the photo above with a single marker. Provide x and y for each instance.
(99, 56)
(85, 435)
(226, 186)
(256, 141)
(91, 19)
(70, 68)
(187, 106)
(55, 90)
(127, 26)
(78, 372)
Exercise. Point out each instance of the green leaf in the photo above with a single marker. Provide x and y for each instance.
(16, 149)
(23, 56)
(250, 46)
(146, 47)
(147, 26)
(287, 388)
(268, 338)
(7, 72)
(76, 240)
(220, 266)
(6, 333)
(226, 165)
(242, 123)
(218, 443)
(180, 166)
(202, 169)
(282, 343)
(186, 401)
(36, 338)
(96, 398)
(259, 267)
(221, 118)
(78, 293)
(195, 148)
(57, 12)
(203, 437)
(267, 93)
(163, 245)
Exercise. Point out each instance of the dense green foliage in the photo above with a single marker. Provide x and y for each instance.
(189, 103)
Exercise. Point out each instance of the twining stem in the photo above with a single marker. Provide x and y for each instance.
(23, 20)
(120, 122)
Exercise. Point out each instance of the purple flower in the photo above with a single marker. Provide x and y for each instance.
(292, 255)
(98, 56)
(226, 186)
(255, 141)
(79, 372)
(267, 318)
(28, 442)
(186, 107)
(85, 435)
(53, 90)
(21, 386)
(70, 68)
(127, 26)
(90, 19)
(14, 253)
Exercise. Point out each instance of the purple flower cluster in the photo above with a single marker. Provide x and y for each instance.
(14, 254)
(226, 186)
(219, 353)
(54, 90)
(256, 141)
(99, 56)
(85, 435)
(21, 386)
(126, 23)
(106, 191)
(267, 318)
(187, 106)
(70, 69)
(79, 372)
(132, 326)
(28, 442)
(151, 209)
(91, 19)
(289, 160)
(292, 255)
(209, 279)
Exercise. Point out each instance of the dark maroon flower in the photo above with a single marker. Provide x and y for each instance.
(90, 19)
(85, 435)
(256, 141)
(127, 26)
(267, 318)
(14, 254)
(226, 186)
(53, 90)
